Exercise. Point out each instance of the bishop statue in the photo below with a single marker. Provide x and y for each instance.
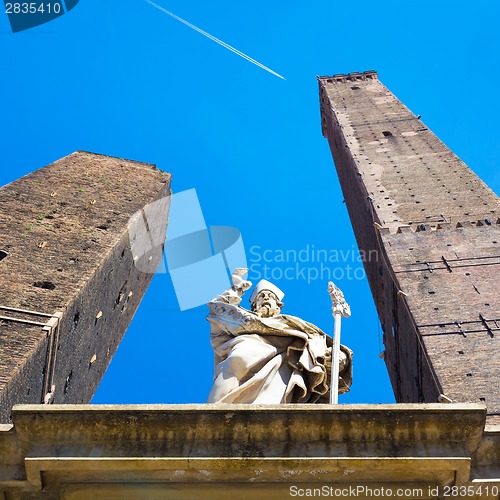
(265, 357)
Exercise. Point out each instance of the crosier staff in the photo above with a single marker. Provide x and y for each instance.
(340, 309)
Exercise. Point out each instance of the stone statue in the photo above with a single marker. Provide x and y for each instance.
(265, 357)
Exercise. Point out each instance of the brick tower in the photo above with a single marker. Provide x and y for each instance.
(70, 283)
(435, 228)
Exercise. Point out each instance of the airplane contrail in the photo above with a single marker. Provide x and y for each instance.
(213, 38)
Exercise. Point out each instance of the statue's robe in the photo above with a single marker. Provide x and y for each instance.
(281, 359)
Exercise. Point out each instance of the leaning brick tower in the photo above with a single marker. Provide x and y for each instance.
(435, 229)
(69, 280)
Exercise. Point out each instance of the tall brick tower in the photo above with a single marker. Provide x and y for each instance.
(70, 283)
(435, 228)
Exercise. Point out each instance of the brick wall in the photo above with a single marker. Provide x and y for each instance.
(435, 228)
(64, 231)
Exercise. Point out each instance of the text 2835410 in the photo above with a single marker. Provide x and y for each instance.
(24, 8)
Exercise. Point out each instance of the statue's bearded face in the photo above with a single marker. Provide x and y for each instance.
(266, 304)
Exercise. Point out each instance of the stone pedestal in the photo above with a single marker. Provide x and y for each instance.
(244, 451)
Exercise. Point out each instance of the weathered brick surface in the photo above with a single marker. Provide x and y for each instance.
(436, 272)
(64, 229)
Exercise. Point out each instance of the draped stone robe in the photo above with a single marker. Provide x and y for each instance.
(281, 359)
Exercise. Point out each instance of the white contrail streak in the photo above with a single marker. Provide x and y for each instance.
(216, 40)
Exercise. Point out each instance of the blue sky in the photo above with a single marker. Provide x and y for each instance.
(119, 77)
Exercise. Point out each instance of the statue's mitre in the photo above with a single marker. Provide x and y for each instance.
(266, 285)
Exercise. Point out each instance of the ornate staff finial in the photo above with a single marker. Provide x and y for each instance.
(340, 309)
(339, 305)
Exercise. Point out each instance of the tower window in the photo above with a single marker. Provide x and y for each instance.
(3, 255)
(47, 285)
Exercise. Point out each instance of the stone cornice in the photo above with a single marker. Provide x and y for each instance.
(404, 443)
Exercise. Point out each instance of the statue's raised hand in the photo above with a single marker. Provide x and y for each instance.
(240, 285)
